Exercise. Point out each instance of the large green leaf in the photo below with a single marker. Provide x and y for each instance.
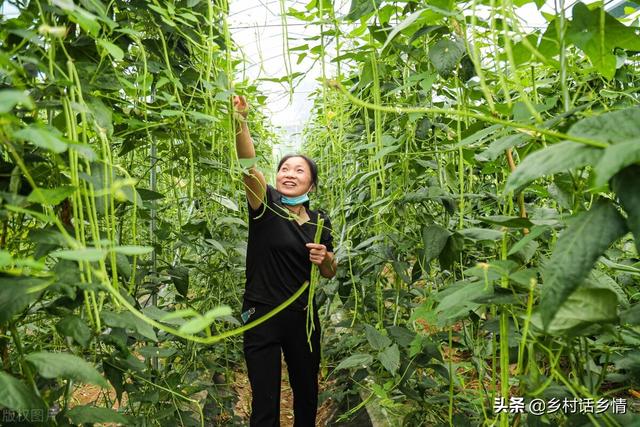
(128, 320)
(199, 323)
(360, 8)
(553, 159)
(76, 328)
(16, 395)
(402, 26)
(615, 158)
(578, 248)
(102, 115)
(180, 278)
(47, 138)
(390, 358)
(499, 146)
(64, 365)
(132, 250)
(584, 307)
(534, 233)
(16, 293)
(626, 185)
(50, 196)
(445, 55)
(613, 127)
(93, 414)
(597, 39)
(358, 359)
(377, 341)
(434, 238)
(86, 254)
(86, 20)
(111, 49)
(480, 234)
(9, 98)
(460, 300)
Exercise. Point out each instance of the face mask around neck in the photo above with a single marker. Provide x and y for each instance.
(292, 201)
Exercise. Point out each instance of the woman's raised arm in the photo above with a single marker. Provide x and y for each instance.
(255, 184)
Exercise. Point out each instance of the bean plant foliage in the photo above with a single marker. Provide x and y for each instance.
(482, 177)
(122, 235)
(488, 191)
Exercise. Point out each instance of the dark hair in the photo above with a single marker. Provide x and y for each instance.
(312, 166)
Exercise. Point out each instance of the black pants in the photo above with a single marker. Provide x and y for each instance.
(263, 344)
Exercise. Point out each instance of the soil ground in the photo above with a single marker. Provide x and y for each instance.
(242, 388)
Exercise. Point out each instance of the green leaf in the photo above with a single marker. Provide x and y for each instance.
(128, 320)
(434, 238)
(47, 138)
(553, 159)
(584, 307)
(499, 146)
(626, 185)
(390, 358)
(614, 127)
(92, 415)
(355, 360)
(76, 328)
(199, 323)
(16, 293)
(149, 352)
(86, 20)
(64, 365)
(216, 245)
(578, 248)
(507, 221)
(149, 195)
(479, 135)
(50, 196)
(360, 8)
(615, 158)
(180, 278)
(459, 301)
(17, 396)
(534, 233)
(445, 55)
(479, 234)
(248, 163)
(451, 251)
(111, 49)
(9, 98)
(132, 250)
(102, 116)
(226, 202)
(630, 316)
(403, 25)
(375, 338)
(86, 254)
(384, 151)
(597, 41)
(5, 258)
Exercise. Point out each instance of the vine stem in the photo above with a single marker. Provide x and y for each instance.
(454, 113)
(215, 338)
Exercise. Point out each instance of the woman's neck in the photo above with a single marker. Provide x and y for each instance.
(296, 209)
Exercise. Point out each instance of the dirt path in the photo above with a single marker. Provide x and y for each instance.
(243, 405)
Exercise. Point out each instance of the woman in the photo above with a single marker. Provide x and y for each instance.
(280, 252)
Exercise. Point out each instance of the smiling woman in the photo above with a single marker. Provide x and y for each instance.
(281, 250)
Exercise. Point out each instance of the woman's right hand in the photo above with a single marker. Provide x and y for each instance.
(240, 105)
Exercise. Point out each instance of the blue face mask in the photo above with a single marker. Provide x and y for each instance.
(292, 201)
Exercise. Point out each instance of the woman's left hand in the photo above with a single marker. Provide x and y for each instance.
(317, 253)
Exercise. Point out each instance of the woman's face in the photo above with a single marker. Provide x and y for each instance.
(294, 177)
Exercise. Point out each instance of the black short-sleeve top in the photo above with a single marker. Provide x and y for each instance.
(277, 258)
